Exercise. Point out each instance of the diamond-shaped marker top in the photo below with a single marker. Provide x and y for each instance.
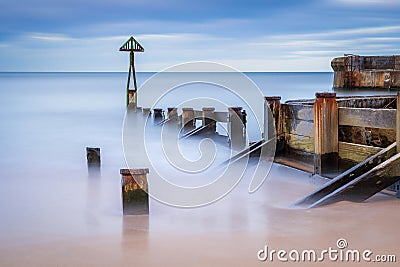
(131, 45)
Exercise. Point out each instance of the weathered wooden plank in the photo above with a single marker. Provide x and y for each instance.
(346, 177)
(298, 127)
(299, 142)
(398, 123)
(198, 114)
(366, 185)
(368, 117)
(297, 164)
(221, 116)
(367, 136)
(367, 101)
(356, 152)
(299, 112)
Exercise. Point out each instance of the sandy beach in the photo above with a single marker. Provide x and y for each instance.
(229, 232)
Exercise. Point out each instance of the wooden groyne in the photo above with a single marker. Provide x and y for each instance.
(354, 71)
(346, 130)
(354, 140)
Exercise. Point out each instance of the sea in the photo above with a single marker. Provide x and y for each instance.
(53, 213)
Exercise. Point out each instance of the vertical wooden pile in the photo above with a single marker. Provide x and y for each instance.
(325, 134)
(135, 200)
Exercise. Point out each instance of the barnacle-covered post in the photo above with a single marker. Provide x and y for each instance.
(135, 199)
(131, 46)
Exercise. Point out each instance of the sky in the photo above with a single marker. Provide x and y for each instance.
(282, 35)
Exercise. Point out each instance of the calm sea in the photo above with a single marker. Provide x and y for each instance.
(47, 120)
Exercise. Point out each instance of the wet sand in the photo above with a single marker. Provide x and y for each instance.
(229, 232)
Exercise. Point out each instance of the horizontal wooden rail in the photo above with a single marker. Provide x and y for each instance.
(368, 117)
(221, 116)
(356, 152)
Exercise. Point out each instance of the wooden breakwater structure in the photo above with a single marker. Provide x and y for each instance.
(320, 135)
(354, 71)
(194, 122)
(354, 140)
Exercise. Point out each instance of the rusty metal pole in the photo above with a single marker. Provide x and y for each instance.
(134, 79)
(398, 123)
(128, 91)
(326, 129)
(135, 199)
(131, 46)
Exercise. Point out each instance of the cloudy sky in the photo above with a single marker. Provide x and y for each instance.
(282, 35)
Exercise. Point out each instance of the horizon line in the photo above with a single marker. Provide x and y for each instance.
(168, 71)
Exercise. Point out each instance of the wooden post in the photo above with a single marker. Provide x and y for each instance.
(188, 120)
(236, 129)
(398, 123)
(135, 199)
(274, 104)
(326, 129)
(209, 120)
(173, 114)
(131, 98)
(93, 160)
(146, 111)
(158, 115)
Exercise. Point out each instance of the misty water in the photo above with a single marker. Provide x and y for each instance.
(52, 213)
